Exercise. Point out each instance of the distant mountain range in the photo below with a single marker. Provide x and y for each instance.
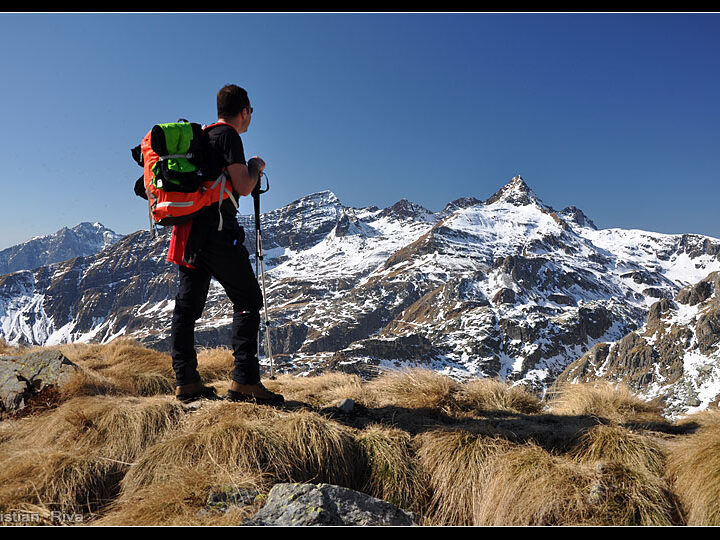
(82, 240)
(507, 288)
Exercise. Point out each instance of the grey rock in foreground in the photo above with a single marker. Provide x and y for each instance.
(24, 375)
(326, 504)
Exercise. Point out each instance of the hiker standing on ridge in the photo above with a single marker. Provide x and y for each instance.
(202, 252)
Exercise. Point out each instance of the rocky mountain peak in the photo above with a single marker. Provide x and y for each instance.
(576, 216)
(82, 240)
(458, 204)
(516, 192)
(404, 209)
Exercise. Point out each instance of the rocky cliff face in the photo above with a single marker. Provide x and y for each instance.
(506, 287)
(674, 356)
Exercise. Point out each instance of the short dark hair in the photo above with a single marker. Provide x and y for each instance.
(231, 100)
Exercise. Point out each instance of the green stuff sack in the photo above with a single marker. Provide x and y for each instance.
(182, 149)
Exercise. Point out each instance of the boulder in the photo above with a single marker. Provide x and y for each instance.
(25, 375)
(326, 504)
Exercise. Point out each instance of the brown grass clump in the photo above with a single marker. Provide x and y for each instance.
(493, 395)
(412, 388)
(116, 428)
(215, 364)
(393, 472)
(72, 458)
(57, 480)
(612, 443)
(529, 486)
(626, 496)
(181, 500)
(318, 450)
(707, 418)
(301, 446)
(124, 367)
(456, 463)
(222, 435)
(605, 400)
(694, 472)
(9, 350)
(321, 391)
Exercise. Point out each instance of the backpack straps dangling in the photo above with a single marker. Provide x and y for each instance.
(221, 195)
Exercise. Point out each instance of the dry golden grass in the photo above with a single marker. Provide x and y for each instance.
(412, 388)
(227, 436)
(529, 486)
(301, 446)
(495, 396)
(119, 448)
(181, 500)
(323, 391)
(393, 472)
(73, 457)
(694, 472)
(9, 350)
(116, 428)
(605, 400)
(456, 464)
(61, 480)
(316, 450)
(707, 418)
(124, 367)
(613, 443)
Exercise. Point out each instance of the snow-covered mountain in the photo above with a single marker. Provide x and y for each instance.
(82, 240)
(506, 287)
(674, 356)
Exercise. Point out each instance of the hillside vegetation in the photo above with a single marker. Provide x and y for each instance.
(115, 446)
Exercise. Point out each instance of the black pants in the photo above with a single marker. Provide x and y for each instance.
(226, 260)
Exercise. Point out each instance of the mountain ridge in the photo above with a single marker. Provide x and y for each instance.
(504, 288)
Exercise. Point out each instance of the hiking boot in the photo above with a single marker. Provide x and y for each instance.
(253, 392)
(194, 391)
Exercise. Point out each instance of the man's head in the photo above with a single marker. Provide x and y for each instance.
(233, 106)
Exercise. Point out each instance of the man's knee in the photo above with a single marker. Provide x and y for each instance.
(187, 311)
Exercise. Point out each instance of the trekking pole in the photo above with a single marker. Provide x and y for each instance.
(260, 268)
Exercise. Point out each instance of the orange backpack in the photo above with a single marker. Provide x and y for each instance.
(173, 157)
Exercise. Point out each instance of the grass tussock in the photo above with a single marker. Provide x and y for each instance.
(530, 486)
(121, 450)
(456, 463)
(694, 471)
(393, 472)
(112, 428)
(124, 367)
(9, 350)
(412, 388)
(297, 447)
(612, 443)
(323, 391)
(605, 400)
(57, 480)
(495, 396)
(181, 499)
(72, 458)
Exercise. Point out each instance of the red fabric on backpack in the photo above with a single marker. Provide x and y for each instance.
(178, 242)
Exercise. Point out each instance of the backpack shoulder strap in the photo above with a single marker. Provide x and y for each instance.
(205, 128)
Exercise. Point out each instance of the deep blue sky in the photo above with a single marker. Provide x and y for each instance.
(618, 114)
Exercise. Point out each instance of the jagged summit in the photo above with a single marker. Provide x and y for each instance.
(516, 192)
(81, 240)
(404, 209)
(457, 204)
(321, 197)
(577, 216)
